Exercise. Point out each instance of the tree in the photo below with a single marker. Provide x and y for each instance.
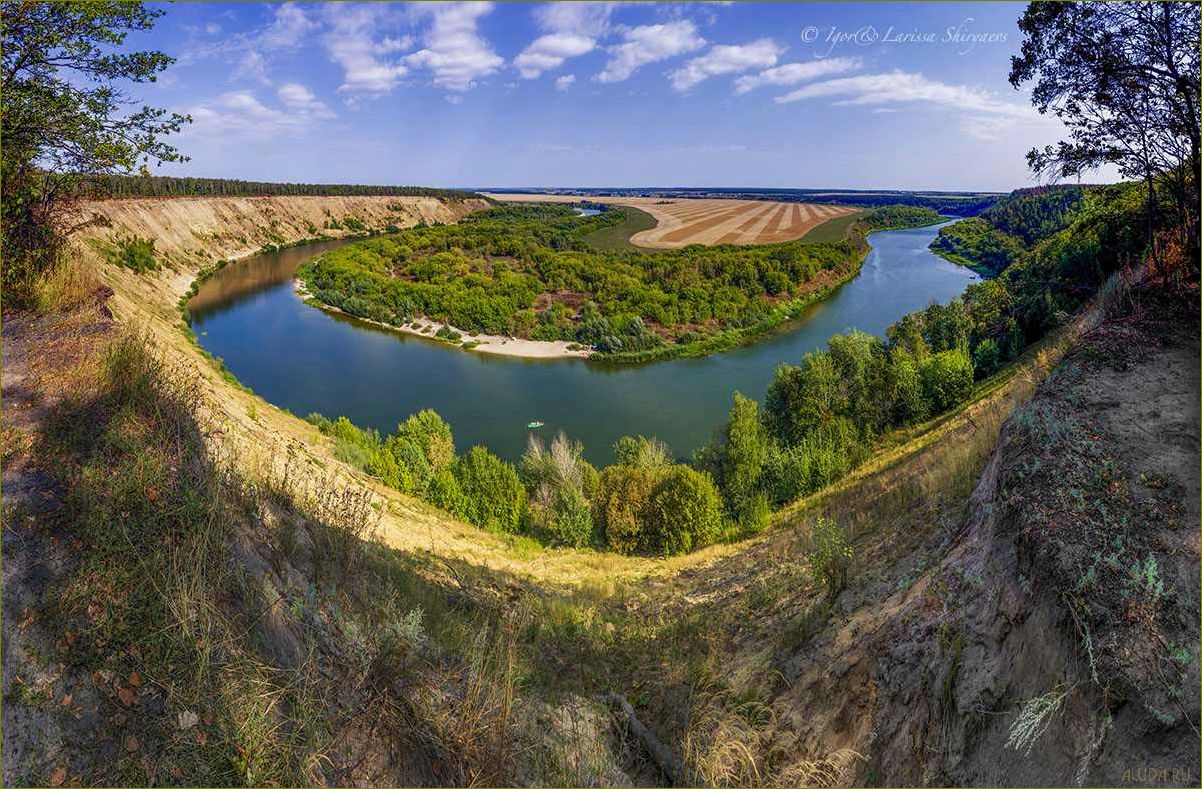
(801, 398)
(622, 503)
(685, 511)
(493, 496)
(64, 119)
(1124, 79)
(432, 434)
(559, 481)
(946, 379)
(742, 453)
(642, 452)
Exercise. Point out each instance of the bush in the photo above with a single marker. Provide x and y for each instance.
(136, 254)
(685, 511)
(986, 358)
(755, 514)
(493, 496)
(432, 434)
(830, 556)
(443, 491)
(946, 379)
(571, 521)
(559, 482)
(741, 453)
(622, 499)
(642, 452)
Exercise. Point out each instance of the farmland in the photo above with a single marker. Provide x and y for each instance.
(684, 221)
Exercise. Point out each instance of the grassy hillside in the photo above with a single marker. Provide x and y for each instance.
(617, 237)
(835, 229)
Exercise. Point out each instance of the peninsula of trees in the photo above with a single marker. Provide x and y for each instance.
(527, 271)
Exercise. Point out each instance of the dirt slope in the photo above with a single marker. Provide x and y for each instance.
(210, 228)
(1044, 592)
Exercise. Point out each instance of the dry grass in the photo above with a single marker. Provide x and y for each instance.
(67, 286)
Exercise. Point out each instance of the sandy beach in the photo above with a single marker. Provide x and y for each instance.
(482, 343)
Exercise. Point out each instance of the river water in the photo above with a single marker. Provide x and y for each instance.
(301, 358)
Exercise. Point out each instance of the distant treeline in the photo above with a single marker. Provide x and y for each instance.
(171, 186)
(957, 203)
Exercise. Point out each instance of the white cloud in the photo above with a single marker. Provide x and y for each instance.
(351, 42)
(454, 50)
(288, 29)
(389, 44)
(582, 19)
(982, 114)
(565, 82)
(549, 52)
(570, 30)
(649, 44)
(297, 98)
(252, 66)
(240, 114)
(897, 87)
(726, 59)
(793, 73)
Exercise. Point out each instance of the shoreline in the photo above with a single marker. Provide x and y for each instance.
(482, 343)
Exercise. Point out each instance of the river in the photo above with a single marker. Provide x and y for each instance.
(304, 359)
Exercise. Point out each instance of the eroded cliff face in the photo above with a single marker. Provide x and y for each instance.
(1057, 641)
(1044, 632)
(191, 230)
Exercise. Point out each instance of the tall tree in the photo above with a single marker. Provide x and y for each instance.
(1124, 79)
(65, 118)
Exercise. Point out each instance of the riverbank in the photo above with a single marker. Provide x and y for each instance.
(960, 260)
(724, 340)
(482, 343)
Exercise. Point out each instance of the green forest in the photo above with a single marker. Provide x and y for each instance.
(819, 419)
(529, 271)
(990, 242)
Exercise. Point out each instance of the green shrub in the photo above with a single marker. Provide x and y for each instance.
(986, 358)
(136, 254)
(432, 434)
(443, 491)
(560, 483)
(684, 512)
(622, 498)
(641, 452)
(740, 453)
(571, 521)
(493, 496)
(830, 556)
(754, 515)
(946, 379)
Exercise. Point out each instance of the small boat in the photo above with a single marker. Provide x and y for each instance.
(534, 425)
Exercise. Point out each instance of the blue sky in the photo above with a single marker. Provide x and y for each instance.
(853, 95)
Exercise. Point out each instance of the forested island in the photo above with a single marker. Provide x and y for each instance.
(529, 272)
